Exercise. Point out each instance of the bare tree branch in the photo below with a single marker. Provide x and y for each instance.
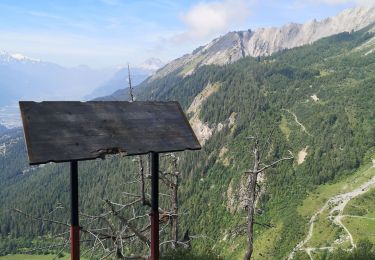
(126, 222)
(291, 157)
(252, 184)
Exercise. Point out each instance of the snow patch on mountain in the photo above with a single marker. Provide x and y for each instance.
(6, 58)
(21, 57)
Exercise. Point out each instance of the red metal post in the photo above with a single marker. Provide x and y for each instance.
(74, 242)
(154, 206)
(74, 219)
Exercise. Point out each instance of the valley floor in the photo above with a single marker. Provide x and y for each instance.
(329, 227)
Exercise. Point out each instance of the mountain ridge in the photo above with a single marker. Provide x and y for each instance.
(265, 41)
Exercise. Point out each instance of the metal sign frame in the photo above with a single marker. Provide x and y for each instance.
(71, 131)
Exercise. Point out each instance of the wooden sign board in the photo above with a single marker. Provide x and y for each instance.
(60, 131)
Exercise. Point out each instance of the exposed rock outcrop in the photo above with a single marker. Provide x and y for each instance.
(201, 129)
(265, 41)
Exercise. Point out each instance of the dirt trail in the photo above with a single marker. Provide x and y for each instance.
(337, 204)
(353, 216)
(298, 122)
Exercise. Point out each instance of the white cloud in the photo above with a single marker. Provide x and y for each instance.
(207, 19)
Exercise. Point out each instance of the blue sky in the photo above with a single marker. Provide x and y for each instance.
(103, 33)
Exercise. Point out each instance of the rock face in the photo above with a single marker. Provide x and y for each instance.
(235, 45)
(201, 129)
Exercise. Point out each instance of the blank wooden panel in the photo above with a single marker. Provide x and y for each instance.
(60, 131)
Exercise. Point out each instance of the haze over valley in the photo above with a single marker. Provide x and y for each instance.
(24, 78)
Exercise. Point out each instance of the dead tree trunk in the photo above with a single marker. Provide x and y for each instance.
(140, 158)
(175, 186)
(251, 190)
(251, 193)
(171, 180)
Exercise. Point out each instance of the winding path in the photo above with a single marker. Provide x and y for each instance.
(338, 202)
(298, 122)
(353, 216)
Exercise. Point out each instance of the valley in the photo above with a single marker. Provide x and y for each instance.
(24, 78)
(10, 116)
(314, 100)
(322, 235)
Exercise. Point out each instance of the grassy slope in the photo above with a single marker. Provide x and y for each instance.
(325, 232)
(362, 222)
(36, 257)
(316, 199)
(33, 257)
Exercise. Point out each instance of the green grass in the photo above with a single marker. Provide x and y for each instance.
(33, 257)
(360, 228)
(362, 206)
(231, 247)
(265, 244)
(37, 257)
(301, 255)
(284, 127)
(325, 231)
(317, 198)
(324, 72)
(189, 255)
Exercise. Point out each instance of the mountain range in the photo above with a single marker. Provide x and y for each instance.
(24, 78)
(265, 41)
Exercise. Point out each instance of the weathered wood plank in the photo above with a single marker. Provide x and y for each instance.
(59, 131)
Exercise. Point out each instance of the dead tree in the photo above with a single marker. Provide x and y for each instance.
(141, 164)
(171, 180)
(130, 85)
(251, 189)
(126, 222)
(174, 187)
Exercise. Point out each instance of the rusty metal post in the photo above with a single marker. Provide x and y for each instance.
(74, 220)
(154, 205)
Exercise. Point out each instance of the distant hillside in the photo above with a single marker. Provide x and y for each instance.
(23, 78)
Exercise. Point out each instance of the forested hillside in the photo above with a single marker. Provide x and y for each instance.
(317, 100)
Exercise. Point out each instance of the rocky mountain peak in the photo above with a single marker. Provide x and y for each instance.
(265, 41)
